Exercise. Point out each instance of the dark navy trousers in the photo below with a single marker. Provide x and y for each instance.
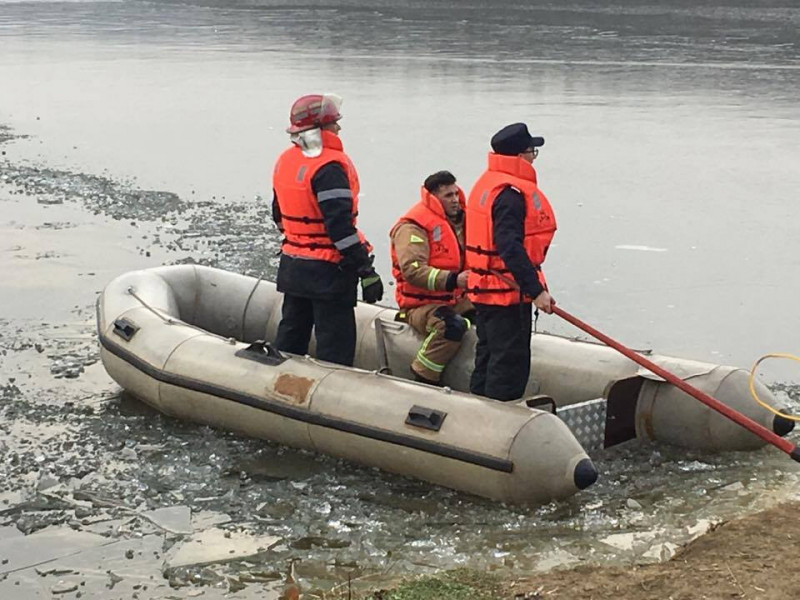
(503, 353)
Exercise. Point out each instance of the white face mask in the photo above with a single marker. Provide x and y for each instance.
(309, 142)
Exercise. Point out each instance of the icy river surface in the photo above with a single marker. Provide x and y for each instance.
(135, 134)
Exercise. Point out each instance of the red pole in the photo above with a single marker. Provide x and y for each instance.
(765, 434)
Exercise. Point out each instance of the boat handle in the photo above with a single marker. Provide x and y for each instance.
(262, 352)
(125, 329)
(426, 418)
(540, 401)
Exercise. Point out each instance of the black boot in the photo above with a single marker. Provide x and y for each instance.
(421, 379)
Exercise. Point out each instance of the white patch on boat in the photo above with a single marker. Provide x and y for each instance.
(639, 248)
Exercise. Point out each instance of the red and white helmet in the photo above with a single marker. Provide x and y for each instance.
(314, 110)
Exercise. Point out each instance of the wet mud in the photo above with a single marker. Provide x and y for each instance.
(101, 497)
(744, 558)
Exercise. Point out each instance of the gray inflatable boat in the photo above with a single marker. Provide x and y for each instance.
(193, 342)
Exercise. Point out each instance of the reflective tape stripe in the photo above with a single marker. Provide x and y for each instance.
(350, 240)
(334, 194)
(368, 281)
(432, 274)
(428, 363)
(433, 366)
(431, 335)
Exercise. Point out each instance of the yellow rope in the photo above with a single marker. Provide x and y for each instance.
(753, 387)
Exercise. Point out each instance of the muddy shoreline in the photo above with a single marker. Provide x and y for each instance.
(749, 557)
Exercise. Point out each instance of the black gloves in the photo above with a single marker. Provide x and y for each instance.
(356, 258)
(455, 326)
(451, 282)
(371, 285)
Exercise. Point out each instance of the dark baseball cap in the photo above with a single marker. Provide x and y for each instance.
(514, 139)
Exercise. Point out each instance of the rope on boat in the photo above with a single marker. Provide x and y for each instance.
(171, 321)
(168, 320)
(247, 304)
(753, 392)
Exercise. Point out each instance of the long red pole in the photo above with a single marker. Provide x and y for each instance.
(765, 434)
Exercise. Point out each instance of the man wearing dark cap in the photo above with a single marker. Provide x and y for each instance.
(510, 225)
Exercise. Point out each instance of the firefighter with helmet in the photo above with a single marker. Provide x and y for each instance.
(323, 254)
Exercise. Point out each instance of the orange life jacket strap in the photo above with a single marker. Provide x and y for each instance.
(309, 245)
(305, 220)
(479, 250)
(477, 290)
(489, 271)
(431, 296)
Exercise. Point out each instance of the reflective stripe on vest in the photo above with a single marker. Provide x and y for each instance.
(490, 281)
(301, 217)
(444, 253)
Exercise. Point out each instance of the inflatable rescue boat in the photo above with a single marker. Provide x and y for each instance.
(193, 342)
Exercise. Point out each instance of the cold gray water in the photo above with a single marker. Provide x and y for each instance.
(141, 133)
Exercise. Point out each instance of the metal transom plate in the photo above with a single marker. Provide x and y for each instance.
(587, 421)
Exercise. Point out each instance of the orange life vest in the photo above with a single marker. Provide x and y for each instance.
(444, 252)
(489, 281)
(304, 230)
